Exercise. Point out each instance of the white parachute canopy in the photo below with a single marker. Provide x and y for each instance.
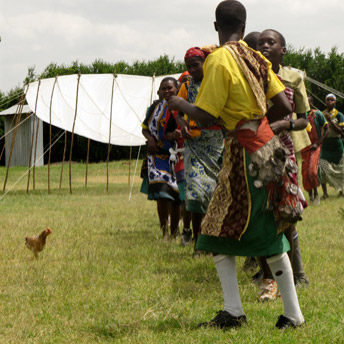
(130, 98)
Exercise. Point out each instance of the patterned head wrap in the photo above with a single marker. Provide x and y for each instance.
(194, 52)
(331, 95)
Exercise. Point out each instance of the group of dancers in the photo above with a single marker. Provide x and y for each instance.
(221, 146)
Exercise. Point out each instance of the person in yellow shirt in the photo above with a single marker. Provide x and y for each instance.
(237, 83)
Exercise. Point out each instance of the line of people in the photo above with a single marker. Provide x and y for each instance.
(240, 117)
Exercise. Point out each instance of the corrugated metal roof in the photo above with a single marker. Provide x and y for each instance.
(13, 109)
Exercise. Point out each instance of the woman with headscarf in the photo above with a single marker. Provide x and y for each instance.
(331, 157)
(162, 185)
(203, 145)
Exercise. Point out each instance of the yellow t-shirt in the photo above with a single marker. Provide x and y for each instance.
(226, 94)
(293, 79)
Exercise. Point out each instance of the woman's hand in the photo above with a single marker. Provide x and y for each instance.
(175, 135)
(151, 145)
(186, 133)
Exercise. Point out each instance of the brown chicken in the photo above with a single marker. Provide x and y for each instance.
(36, 243)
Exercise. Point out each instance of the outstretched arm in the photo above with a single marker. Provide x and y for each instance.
(194, 112)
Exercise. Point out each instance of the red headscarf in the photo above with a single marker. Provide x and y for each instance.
(194, 52)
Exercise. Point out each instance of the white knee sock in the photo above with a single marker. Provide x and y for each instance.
(281, 269)
(225, 266)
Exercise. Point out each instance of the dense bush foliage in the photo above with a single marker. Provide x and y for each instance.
(325, 68)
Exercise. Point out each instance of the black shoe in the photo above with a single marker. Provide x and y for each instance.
(257, 277)
(283, 323)
(224, 320)
(186, 238)
(301, 280)
(250, 264)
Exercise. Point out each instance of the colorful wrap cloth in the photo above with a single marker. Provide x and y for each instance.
(162, 184)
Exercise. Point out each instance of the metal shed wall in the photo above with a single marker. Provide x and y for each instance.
(22, 145)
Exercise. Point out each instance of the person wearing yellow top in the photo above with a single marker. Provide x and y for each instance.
(237, 83)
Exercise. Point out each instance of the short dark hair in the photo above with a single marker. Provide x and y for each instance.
(252, 39)
(170, 78)
(230, 14)
(281, 37)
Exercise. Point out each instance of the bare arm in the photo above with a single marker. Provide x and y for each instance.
(333, 125)
(281, 107)
(194, 112)
(299, 124)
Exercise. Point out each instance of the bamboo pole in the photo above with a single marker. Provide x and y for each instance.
(87, 159)
(35, 156)
(131, 150)
(49, 159)
(31, 148)
(63, 158)
(72, 140)
(110, 124)
(152, 89)
(18, 114)
(33, 134)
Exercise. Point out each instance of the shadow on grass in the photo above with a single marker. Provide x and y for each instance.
(116, 330)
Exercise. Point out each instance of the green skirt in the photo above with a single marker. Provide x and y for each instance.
(260, 238)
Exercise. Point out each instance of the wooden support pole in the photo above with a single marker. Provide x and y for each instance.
(63, 157)
(87, 160)
(35, 156)
(72, 140)
(49, 159)
(131, 151)
(110, 124)
(33, 135)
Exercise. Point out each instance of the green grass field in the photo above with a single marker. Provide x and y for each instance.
(106, 276)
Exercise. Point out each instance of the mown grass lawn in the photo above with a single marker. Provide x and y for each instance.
(106, 277)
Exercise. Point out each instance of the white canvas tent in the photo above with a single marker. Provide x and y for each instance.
(85, 102)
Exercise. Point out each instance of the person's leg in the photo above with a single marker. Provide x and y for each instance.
(310, 193)
(268, 285)
(316, 197)
(187, 231)
(186, 217)
(196, 224)
(324, 189)
(175, 216)
(226, 270)
(281, 269)
(297, 265)
(233, 314)
(163, 212)
(289, 235)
